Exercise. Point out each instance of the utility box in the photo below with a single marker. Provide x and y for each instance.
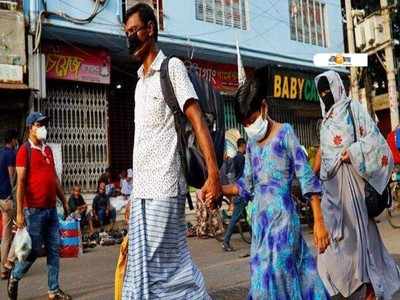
(370, 33)
(12, 46)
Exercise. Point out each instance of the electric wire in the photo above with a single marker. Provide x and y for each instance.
(44, 13)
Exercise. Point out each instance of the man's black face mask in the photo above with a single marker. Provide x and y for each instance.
(325, 93)
(134, 43)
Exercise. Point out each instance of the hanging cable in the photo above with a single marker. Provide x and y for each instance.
(97, 9)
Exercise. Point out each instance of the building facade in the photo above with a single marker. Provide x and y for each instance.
(88, 80)
(14, 90)
(277, 39)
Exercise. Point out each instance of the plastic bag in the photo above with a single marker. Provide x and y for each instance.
(23, 244)
(120, 270)
(70, 238)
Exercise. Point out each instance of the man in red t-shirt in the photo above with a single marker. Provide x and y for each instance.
(392, 142)
(37, 189)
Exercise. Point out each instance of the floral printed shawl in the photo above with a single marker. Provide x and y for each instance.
(370, 155)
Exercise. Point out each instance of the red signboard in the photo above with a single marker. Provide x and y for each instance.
(65, 62)
(224, 77)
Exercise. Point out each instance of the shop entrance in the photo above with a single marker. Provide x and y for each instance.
(79, 122)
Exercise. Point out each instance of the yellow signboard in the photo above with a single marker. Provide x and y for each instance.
(380, 102)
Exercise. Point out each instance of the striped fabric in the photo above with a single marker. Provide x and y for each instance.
(159, 262)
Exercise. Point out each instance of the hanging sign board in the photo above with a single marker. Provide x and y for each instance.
(223, 77)
(11, 73)
(77, 63)
(291, 85)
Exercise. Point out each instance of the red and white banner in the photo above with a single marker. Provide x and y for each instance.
(65, 62)
(224, 77)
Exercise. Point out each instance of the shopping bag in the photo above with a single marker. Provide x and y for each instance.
(120, 270)
(23, 244)
(70, 238)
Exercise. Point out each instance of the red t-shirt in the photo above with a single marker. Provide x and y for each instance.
(40, 191)
(391, 140)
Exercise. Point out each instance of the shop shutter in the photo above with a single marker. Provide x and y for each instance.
(79, 122)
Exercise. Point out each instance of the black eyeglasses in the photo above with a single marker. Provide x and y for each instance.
(130, 33)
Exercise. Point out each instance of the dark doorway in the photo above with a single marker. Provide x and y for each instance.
(121, 116)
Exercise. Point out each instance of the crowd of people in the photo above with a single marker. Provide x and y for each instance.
(29, 187)
(351, 260)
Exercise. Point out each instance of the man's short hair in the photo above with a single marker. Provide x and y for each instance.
(240, 142)
(11, 134)
(146, 14)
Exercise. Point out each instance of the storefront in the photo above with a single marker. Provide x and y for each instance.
(381, 107)
(224, 78)
(291, 95)
(293, 98)
(14, 107)
(77, 83)
(121, 106)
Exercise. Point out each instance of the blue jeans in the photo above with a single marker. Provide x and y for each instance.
(240, 205)
(104, 219)
(43, 228)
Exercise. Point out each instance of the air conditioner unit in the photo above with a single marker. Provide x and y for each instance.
(378, 22)
(12, 46)
(370, 33)
(12, 38)
(360, 36)
(369, 29)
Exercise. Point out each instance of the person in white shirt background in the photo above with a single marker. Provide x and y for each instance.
(126, 183)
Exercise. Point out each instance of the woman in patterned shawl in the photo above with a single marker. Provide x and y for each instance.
(356, 264)
(282, 266)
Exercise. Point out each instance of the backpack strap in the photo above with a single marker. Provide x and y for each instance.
(28, 148)
(168, 90)
(172, 102)
(28, 155)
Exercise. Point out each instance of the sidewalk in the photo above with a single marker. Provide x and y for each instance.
(91, 277)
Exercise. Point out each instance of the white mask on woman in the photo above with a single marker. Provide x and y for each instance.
(258, 129)
(41, 133)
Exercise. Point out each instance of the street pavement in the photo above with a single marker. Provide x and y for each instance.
(227, 274)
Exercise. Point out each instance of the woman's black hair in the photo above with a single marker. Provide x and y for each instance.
(249, 98)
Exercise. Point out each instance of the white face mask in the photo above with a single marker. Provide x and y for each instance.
(41, 133)
(257, 130)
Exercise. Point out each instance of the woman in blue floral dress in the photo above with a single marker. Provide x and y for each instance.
(282, 266)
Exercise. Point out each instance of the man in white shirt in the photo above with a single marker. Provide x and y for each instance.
(126, 184)
(159, 262)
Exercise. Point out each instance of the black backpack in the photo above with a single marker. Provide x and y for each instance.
(212, 106)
